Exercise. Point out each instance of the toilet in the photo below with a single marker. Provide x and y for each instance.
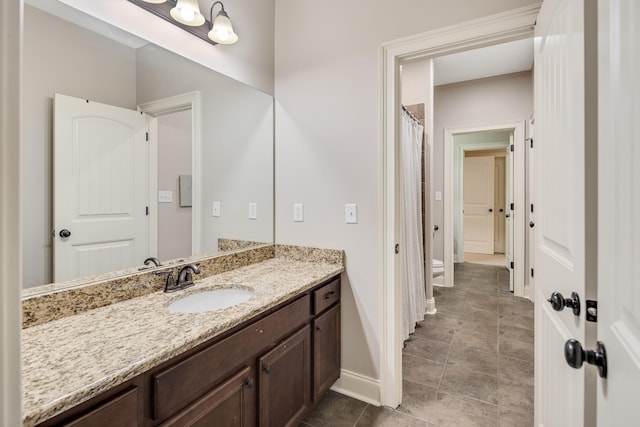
(438, 268)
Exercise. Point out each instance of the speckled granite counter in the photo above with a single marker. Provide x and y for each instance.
(70, 360)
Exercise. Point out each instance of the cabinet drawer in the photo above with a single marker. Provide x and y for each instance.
(182, 383)
(326, 296)
(120, 411)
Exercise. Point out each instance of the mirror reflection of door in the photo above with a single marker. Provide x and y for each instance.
(101, 182)
(174, 160)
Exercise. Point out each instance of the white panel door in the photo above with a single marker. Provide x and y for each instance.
(478, 198)
(619, 210)
(560, 211)
(509, 215)
(100, 188)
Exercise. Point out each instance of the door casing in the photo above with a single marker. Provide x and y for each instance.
(499, 28)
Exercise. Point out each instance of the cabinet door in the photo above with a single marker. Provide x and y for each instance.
(326, 351)
(231, 404)
(285, 381)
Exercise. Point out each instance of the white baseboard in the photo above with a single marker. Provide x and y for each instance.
(358, 386)
(431, 306)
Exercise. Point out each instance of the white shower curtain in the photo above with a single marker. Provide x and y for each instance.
(411, 247)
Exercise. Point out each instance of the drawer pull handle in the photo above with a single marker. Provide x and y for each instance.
(329, 294)
(249, 382)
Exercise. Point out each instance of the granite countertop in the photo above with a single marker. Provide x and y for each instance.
(70, 360)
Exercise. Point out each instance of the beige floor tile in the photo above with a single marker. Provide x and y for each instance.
(469, 383)
(386, 417)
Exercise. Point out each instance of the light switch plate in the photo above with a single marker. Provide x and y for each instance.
(165, 196)
(438, 195)
(253, 211)
(215, 208)
(351, 213)
(298, 212)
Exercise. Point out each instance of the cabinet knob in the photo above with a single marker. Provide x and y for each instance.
(266, 369)
(318, 328)
(329, 294)
(249, 382)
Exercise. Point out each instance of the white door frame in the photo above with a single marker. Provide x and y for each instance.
(174, 104)
(453, 155)
(499, 28)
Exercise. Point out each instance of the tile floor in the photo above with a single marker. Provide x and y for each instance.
(471, 364)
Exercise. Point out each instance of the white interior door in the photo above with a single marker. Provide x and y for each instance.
(560, 208)
(101, 183)
(619, 210)
(478, 198)
(509, 215)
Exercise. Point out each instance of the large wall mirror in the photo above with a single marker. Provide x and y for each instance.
(209, 170)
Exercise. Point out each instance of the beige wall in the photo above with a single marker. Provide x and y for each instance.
(174, 159)
(237, 144)
(328, 152)
(250, 60)
(59, 57)
(474, 103)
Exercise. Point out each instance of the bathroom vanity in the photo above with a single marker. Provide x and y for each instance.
(264, 362)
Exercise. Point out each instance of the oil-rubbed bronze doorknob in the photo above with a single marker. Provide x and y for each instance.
(64, 233)
(558, 302)
(575, 356)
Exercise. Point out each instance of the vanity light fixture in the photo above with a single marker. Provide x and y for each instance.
(186, 15)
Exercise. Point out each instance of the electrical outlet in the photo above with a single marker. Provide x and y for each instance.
(165, 196)
(351, 213)
(298, 212)
(215, 209)
(253, 211)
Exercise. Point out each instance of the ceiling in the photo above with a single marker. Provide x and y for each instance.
(489, 61)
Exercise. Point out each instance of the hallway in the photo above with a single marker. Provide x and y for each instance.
(471, 364)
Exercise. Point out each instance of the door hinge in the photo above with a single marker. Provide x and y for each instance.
(147, 136)
(511, 147)
(512, 265)
(592, 311)
(532, 272)
(530, 142)
(512, 206)
(147, 210)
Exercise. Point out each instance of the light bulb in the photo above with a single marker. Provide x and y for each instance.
(187, 13)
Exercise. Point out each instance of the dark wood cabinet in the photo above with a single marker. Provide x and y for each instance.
(268, 372)
(120, 410)
(230, 404)
(326, 351)
(285, 381)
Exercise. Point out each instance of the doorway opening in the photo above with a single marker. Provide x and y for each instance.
(512, 25)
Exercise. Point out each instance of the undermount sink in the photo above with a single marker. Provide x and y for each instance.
(210, 300)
